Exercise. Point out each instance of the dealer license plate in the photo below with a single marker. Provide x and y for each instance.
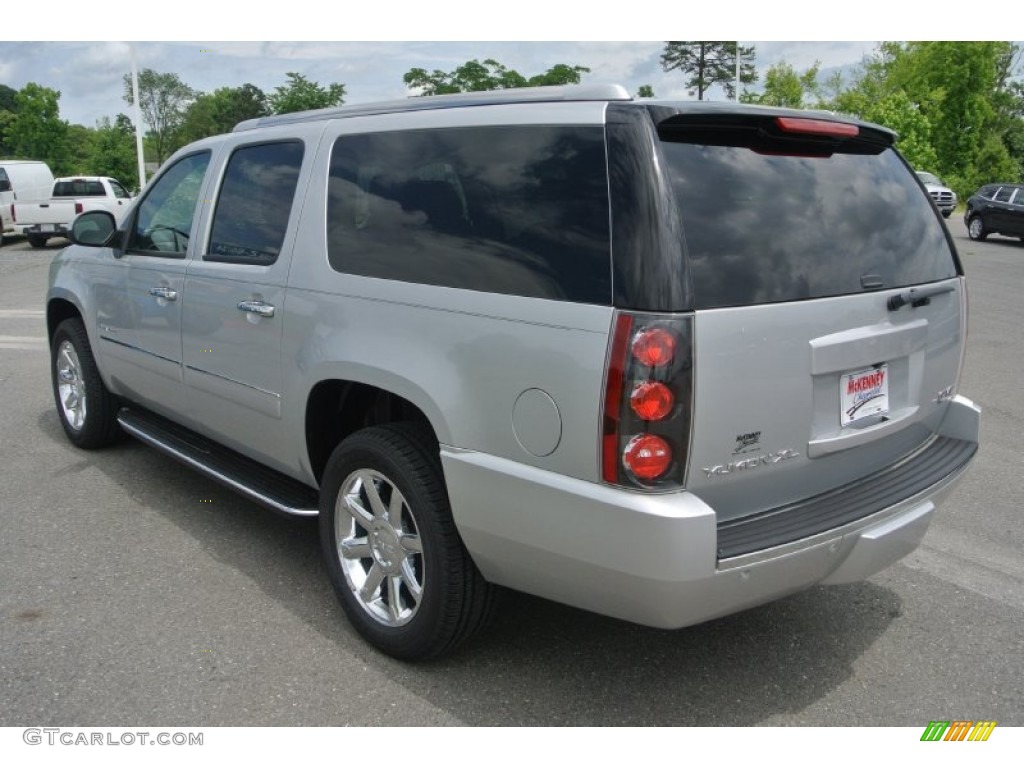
(863, 393)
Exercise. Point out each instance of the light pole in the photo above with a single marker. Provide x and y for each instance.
(736, 98)
(138, 119)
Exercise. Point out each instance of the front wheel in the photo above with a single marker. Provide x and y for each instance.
(88, 412)
(395, 559)
(976, 228)
(946, 214)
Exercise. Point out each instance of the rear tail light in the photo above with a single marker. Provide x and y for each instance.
(79, 208)
(14, 219)
(648, 401)
(652, 400)
(647, 457)
(654, 346)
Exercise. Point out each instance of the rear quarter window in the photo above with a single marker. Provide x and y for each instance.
(516, 210)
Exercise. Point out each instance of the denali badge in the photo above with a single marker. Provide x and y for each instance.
(772, 457)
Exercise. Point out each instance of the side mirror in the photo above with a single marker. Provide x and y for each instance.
(5, 185)
(95, 228)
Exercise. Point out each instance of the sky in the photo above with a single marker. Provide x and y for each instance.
(88, 58)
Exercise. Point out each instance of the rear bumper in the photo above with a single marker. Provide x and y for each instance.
(46, 230)
(652, 559)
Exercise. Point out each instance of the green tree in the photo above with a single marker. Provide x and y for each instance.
(8, 99)
(783, 87)
(709, 62)
(80, 145)
(8, 106)
(113, 150)
(896, 111)
(560, 74)
(300, 94)
(645, 92)
(218, 112)
(487, 76)
(957, 96)
(163, 101)
(37, 132)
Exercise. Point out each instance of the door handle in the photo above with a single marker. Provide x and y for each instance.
(260, 308)
(164, 293)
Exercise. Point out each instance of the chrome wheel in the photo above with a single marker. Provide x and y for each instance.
(396, 561)
(379, 547)
(71, 386)
(976, 228)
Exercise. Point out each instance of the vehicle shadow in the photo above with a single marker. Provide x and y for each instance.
(539, 663)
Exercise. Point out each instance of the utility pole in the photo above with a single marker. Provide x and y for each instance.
(737, 96)
(138, 119)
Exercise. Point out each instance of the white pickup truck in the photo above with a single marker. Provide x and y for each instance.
(40, 220)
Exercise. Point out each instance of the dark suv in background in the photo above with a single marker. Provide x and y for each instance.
(996, 209)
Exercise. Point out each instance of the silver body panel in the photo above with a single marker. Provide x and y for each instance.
(775, 370)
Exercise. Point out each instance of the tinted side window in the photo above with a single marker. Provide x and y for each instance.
(162, 224)
(763, 228)
(1003, 195)
(517, 210)
(119, 191)
(255, 203)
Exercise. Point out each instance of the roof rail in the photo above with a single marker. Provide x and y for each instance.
(476, 98)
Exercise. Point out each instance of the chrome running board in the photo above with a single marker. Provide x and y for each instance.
(249, 478)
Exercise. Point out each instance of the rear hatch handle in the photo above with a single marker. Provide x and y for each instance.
(917, 297)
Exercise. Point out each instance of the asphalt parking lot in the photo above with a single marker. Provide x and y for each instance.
(137, 592)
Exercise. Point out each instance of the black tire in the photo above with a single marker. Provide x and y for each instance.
(976, 228)
(87, 410)
(946, 214)
(36, 241)
(390, 560)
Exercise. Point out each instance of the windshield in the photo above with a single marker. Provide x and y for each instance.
(930, 178)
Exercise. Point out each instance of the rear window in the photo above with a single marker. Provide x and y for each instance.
(761, 227)
(78, 188)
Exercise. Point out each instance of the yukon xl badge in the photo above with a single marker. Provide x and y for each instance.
(761, 460)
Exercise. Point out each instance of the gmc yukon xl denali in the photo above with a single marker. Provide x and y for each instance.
(662, 361)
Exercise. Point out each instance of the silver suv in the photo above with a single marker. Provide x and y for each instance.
(663, 361)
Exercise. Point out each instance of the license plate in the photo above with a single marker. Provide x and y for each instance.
(46, 228)
(863, 393)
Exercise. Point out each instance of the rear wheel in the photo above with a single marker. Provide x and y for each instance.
(976, 228)
(396, 561)
(36, 241)
(88, 412)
